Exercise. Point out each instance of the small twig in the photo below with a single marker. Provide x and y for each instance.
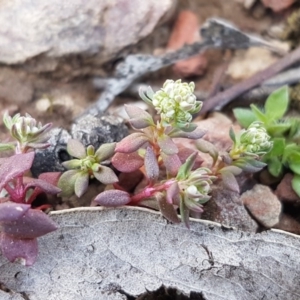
(215, 33)
(289, 77)
(223, 98)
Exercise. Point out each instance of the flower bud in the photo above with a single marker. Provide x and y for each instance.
(175, 102)
(255, 139)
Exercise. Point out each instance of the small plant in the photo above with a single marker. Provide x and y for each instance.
(87, 164)
(284, 132)
(21, 223)
(174, 176)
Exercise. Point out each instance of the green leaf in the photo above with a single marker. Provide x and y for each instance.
(184, 213)
(66, 183)
(76, 149)
(277, 104)
(278, 129)
(186, 127)
(81, 183)
(106, 175)
(275, 166)
(207, 147)
(186, 168)
(232, 135)
(146, 94)
(244, 116)
(105, 151)
(260, 116)
(296, 184)
(278, 147)
(72, 164)
(5, 147)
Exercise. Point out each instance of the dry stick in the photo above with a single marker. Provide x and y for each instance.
(223, 98)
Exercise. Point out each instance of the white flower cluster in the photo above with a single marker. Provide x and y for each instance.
(256, 139)
(175, 102)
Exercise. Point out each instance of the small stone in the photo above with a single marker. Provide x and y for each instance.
(284, 190)
(263, 204)
(278, 5)
(186, 31)
(226, 207)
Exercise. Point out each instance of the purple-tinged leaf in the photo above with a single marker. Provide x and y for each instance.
(15, 166)
(24, 251)
(112, 198)
(185, 152)
(230, 181)
(106, 175)
(105, 151)
(76, 149)
(194, 135)
(167, 209)
(207, 147)
(172, 163)
(10, 211)
(151, 165)
(67, 182)
(132, 142)
(48, 177)
(127, 162)
(173, 194)
(139, 118)
(43, 185)
(32, 224)
(81, 183)
(167, 145)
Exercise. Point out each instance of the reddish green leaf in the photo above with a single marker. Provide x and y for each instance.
(151, 165)
(112, 198)
(167, 209)
(167, 145)
(131, 142)
(127, 162)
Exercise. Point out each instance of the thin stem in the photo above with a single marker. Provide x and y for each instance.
(223, 98)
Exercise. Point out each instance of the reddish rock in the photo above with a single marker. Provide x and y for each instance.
(278, 5)
(288, 223)
(186, 31)
(263, 204)
(226, 208)
(285, 190)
